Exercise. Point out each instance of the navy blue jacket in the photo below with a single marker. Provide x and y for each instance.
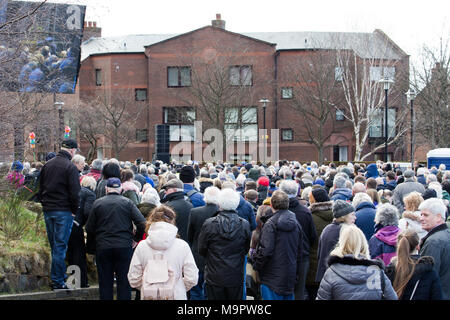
(429, 285)
(365, 215)
(245, 211)
(279, 252)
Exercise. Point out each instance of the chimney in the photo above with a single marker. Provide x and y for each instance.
(91, 30)
(218, 23)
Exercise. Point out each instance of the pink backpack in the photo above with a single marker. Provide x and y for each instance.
(158, 281)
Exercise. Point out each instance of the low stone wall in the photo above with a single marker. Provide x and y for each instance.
(25, 273)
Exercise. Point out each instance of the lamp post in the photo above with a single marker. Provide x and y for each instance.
(264, 101)
(386, 84)
(411, 95)
(58, 105)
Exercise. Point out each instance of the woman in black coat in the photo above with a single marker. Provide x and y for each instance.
(413, 276)
(76, 249)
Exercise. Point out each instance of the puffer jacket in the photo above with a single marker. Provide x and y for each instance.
(245, 210)
(383, 244)
(322, 216)
(279, 252)
(424, 279)
(224, 241)
(162, 239)
(348, 278)
(365, 216)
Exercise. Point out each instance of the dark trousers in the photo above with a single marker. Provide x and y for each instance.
(299, 290)
(76, 253)
(223, 293)
(110, 262)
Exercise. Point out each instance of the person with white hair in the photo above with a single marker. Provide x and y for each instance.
(96, 169)
(196, 219)
(340, 189)
(78, 161)
(436, 186)
(224, 241)
(437, 242)
(149, 201)
(421, 175)
(365, 213)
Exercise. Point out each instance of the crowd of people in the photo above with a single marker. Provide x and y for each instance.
(228, 231)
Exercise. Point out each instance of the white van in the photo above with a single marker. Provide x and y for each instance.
(437, 156)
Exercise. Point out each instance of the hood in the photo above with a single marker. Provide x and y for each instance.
(286, 220)
(253, 174)
(412, 215)
(229, 224)
(372, 171)
(128, 185)
(363, 205)
(388, 235)
(343, 191)
(353, 270)
(161, 235)
(205, 180)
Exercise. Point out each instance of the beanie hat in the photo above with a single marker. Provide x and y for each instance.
(429, 193)
(319, 182)
(372, 171)
(263, 181)
(17, 166)
(187, 174)
(342, 208)
(320, 195)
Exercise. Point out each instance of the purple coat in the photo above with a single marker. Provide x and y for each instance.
(383, 244)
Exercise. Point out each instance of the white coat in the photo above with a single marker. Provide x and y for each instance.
(162, 239)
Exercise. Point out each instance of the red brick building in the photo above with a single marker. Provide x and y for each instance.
(179, 79)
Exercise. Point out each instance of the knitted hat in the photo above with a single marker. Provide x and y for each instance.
(342, 208)
(429, 193)
(319, 182)
(408, 173)
(320, 195)
(17, 166)
(187, 174)
(263, 181)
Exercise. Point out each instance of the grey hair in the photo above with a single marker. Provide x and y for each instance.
(143, 169)
(436, 186)
(114, 160)
(306, 192)
(78, 158)
(89, 182)
(431, 178)
(435, 206)
(97, 164)
(339, 181)
(229, 185)
(290, 187)
(228, 199)
(361, 197)
(387, 215)
(211, 195)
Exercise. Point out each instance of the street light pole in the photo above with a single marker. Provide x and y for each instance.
(386, 82)
(58, 105)
(264, 101)
(411, 94)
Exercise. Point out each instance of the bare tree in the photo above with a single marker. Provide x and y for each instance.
(430, 79)
(119, 114)
(364, 95)
(315, 96)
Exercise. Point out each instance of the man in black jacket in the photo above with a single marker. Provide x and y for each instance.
(196, 219)
(59, 189)
(224, 241)
(304, 217)
(176, 199)
(278, 255)
(111, 220)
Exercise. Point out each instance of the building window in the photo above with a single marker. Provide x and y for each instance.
(287, 135)
(98, 77)
(141, 135)
(241, 75)
(241, 157)
(286, 93)
(377, 73)
(140, 94)
(376, 129)
(380, 156)
(338, 74)
(178, 76)
(181, 123)
(339, 115)
(340, 153)
(241, 123)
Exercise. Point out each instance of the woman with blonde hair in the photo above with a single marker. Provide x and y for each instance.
(162, 239)
(376, 200)
(413, 276)
(351, 274)
(411, 216)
